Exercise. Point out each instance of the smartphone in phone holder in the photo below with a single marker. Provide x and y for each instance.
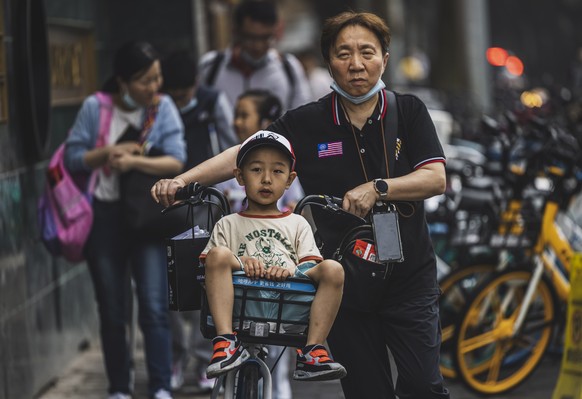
(387, 234)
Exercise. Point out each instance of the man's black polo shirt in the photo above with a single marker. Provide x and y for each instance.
(328, 163)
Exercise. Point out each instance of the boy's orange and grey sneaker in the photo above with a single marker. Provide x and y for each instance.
(228, 355)
(315, 364)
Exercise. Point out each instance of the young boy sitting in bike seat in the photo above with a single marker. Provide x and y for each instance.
(265, 167)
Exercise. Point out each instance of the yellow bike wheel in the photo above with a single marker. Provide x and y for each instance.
(456, 288)
(491, 359)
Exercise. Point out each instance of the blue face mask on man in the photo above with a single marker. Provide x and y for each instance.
(190, 106)
(358, 99)
(254, 62)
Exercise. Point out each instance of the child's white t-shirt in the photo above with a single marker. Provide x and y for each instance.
(283, 240)
(279, 240)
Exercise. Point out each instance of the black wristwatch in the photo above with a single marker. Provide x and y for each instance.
(381, 188)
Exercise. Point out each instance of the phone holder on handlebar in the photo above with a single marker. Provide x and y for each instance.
(349, 239)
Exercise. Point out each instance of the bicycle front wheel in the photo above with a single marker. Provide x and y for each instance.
(248, 381)
(456, 289)
(490, 357)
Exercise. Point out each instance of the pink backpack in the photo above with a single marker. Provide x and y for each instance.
(65, 213)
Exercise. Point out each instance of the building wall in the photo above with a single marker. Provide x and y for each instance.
(47, 308)
(47, 311)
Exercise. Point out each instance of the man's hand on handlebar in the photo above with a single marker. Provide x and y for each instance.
(360, 200)
(164, 190)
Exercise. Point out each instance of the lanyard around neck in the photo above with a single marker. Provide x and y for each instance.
(358, 145)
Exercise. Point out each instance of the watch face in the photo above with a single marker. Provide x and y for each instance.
(381, 186)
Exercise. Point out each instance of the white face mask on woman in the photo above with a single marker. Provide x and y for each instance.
(129, 101)
(358, 99)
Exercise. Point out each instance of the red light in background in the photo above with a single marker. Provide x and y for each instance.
(496, 56)
(514, 65)
(499, 57)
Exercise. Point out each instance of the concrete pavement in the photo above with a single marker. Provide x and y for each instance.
(85, 378)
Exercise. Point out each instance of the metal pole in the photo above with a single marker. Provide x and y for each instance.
(199, 27)
(395, 10)
(475, 29)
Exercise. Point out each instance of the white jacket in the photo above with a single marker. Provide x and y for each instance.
(272, 77)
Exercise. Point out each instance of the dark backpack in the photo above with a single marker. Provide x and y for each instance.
(201, 136)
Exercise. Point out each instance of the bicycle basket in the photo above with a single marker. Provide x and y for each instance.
(267, 312)
(519, 225)
(183, 250)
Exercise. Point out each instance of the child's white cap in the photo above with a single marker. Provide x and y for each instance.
(265, 137)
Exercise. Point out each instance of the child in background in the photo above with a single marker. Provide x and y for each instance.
(265, 166)
(255, 110)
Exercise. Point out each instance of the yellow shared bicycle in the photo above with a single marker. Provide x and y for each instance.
(508, 322)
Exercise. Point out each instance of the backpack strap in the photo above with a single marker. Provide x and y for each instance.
(391, 128)
(212, 133)
(391, 134)
(290, 77)
(105, 114)
(211, 78)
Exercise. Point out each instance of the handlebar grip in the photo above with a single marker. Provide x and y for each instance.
(186, 192)
(317, 199)
(336, 200)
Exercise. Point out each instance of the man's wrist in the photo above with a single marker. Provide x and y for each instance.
(381, 188)
(184, 184)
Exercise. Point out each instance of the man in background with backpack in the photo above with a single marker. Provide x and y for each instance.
(252, 62)
(208, 120)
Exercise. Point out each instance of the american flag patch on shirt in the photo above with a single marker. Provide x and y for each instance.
(329, 149)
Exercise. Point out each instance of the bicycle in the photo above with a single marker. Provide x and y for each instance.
(256, 330)
(508, 323)
(481, 202)
(284, 323)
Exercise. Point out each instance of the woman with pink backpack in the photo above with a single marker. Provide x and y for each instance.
(128, 126)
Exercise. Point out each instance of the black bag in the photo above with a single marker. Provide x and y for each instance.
(336, 236)
(365, 280)
(143, 216)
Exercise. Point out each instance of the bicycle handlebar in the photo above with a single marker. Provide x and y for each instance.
(327, 203)
(183, 193)
(332, 203)
(193, 195)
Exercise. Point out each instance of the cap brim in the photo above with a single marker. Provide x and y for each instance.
(244, 150)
